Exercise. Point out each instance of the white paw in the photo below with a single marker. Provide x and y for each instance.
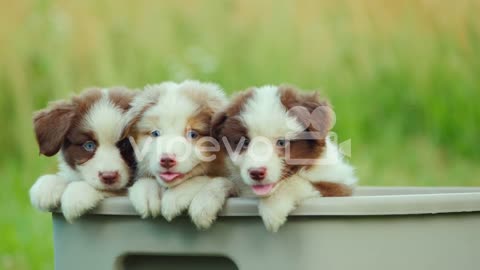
(274, 215)
(145, 197)
(209, 201)
(204, 210)
(78, 198)
(174, 203)
(47, 192)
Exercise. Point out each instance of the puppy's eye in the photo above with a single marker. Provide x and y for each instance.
(281, 143)
(155, 133)
(192, 134)
(89, 146)
(246, 143)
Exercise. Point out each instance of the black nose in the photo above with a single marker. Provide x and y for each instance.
(258, 174)
(168, 161)
(109, 178)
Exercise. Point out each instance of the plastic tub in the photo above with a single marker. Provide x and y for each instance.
(378, 228)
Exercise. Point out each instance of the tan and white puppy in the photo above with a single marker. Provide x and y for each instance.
(175, 150)
(276, 138)
(95, 156)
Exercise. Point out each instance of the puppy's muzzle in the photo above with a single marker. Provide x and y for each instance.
(258, 174)
(109, 178)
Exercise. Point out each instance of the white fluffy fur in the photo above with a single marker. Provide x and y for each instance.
(47, 192)
(177, 199)
(145, 197)
(174, 105)
(170, 106)
(80, 197)
(106, 120)
(267, 120)
(265, 115)
(275, 208)
(209, 201)
(75, 189)
(331, 167)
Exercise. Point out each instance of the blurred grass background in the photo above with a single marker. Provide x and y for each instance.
(403, 76)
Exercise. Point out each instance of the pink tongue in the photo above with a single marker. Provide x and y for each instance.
(169, 177)
(262, 190)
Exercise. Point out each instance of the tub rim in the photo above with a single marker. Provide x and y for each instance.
(367, 201)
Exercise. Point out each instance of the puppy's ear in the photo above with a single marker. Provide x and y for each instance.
(315, 115)
(51, 125)
(141, 102)
(131, 120)
(123, 97)
(216, 125)
(229, 113)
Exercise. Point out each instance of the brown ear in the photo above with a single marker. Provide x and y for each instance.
(315, 114)
(51, 125)
(217, 122)
(121, 97)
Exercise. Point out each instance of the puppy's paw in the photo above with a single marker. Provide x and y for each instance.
(174, 203)
(145, 197)
(47, 192)
(204, 209)
(209, 201)
(79, 198)
(274, 213)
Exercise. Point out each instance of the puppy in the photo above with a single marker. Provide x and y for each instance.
(276, 138)
(172, 132)
(95, 157)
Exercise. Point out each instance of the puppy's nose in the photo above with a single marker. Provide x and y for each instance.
(258, 174)
(168, 161)
(108, 178)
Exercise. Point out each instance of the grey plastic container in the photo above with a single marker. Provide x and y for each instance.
(378, 228)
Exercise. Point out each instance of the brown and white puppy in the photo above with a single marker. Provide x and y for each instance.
(95, 156)
(175, 150)
(276, 138)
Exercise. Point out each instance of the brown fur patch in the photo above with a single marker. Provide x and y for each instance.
(132, 129)
(60, 127)
(217, 166)
(329, 189)
(227, 124)
(121, 97)
(73, 151)
(308, 109)
(128, 155)
(85, 100)
(314, 115)
(51, 125)
(238, 102)
(201, 121)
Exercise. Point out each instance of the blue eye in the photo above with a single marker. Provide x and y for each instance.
(282, 143)
(192, 134)
(89, 146)
(155, 133)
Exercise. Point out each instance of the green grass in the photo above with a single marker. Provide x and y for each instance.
(403, 78)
